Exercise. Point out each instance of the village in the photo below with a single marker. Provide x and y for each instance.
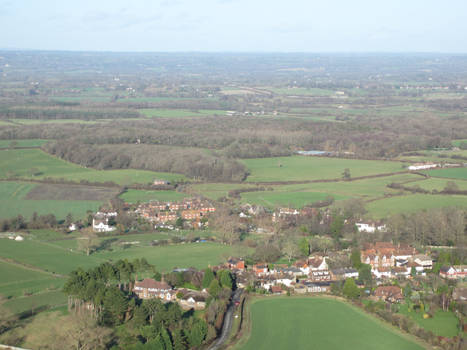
(388, 263)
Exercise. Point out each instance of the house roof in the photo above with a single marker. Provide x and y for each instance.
(151, 283)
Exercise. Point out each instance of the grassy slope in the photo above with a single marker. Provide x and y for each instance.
(298, 168)
(46, 256)
(165, 258)
(444, 323)
(20, 163)
(23, 143)
(301, 194)
(453, 173)
(318, 323)
(133, 196)
(411, 203)
(13, 203)
(439, 184)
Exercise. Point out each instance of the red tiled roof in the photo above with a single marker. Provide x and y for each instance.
(151, 283)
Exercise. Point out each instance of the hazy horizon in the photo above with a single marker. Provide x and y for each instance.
(216, 26)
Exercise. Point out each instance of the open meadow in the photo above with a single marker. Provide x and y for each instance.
(451, 173)
(134, 196)
(414, 202)
(318, 323)
(300, 168)
(298, 195)
(22, 198)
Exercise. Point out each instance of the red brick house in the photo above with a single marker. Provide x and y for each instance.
(392, 294)
(150, 288)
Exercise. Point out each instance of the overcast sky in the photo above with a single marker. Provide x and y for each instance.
(235, 25)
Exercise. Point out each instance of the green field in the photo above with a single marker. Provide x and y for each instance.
(302, 91)
(36, 302)
(216, 190)
(36, 164)
(133, 196)
(319, 323)
(291, 199)
(457, 143)
(16, 280)
(453, 173)
(300, 194)
(299, 168)
(412, 203)
(438, 184)
(46, 256)
(180, 113)
(14, 202)
(165, 258)
(22, 143)
(444, 323)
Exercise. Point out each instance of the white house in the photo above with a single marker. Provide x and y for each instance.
(423, 260)
(423, 166)
(19, 238)
(72, 227)
(370, 227)
(101, 226)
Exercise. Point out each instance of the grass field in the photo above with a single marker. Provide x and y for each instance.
(180, 113)
(303, 91)
(133, 196)
(290, 199)
(46, 256)
(411, 203)
(36, 302)
(444, 323)
(15, 200)
(16, 280)
(457, 143)
(216, 190)
(36, 164)
(22, 143)
(299, 168)
(453, 173)
(198, 255)
(319, 323)
(438, 184)
(301, 194)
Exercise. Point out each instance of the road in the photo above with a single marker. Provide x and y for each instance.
(228, 320)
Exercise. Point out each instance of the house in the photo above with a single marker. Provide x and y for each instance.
(72, 227)
(277, 289)
(292, 271)
(392, 294)
(236, 264)
(320, 275)
(382, 272)
(192, 214)
(403, 271)
(370, 227)
(423, 260)
(286, 280)
(100, 223)
(260, 269)
(150, 288)
(422, 166)
(158, 182)
(303, 267)
(318, 263)
(193, 300)
(19, 238)
(460, 294)
(453, 272)
(317, 287)
(344, 273)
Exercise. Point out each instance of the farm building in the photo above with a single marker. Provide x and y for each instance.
(422, 166)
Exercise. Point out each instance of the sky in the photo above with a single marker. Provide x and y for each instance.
(235, 25)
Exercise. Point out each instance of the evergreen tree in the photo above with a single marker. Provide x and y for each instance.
(208, 277)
